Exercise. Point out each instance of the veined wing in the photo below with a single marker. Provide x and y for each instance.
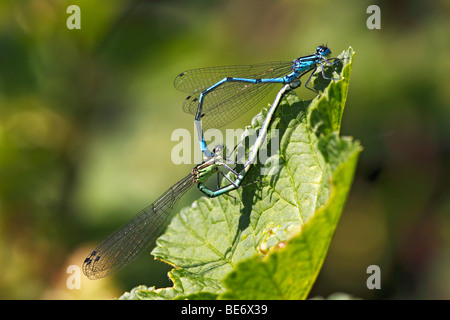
(125, 245)
(227, 102)
(198, 80)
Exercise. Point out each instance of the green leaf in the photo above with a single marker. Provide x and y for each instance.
(290, 272)
(186, 286)
(268, 240)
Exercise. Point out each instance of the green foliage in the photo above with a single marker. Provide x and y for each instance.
(269, 240)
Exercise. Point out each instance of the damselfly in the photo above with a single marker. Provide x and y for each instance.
(219, 95)
(127, 243)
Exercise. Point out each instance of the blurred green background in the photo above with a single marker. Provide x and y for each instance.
(86, 118)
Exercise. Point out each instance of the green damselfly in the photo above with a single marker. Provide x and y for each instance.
(127, 243)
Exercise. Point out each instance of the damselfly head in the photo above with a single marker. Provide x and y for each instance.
(218, 149)
(323, 50)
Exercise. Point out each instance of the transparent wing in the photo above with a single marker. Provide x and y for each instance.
(232, 99)
(126, 244)
(198, 80)
(227, 103)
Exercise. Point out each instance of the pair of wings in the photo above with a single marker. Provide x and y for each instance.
(232, 99)
(126, 244)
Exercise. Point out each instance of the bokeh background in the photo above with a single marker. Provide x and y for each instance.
(86, 118)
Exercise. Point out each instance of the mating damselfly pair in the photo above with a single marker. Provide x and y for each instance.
(218, 95)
